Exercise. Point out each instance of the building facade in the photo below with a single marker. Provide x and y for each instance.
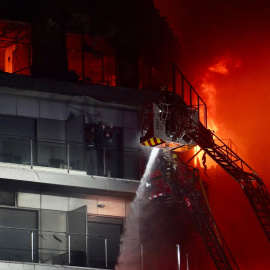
(72, 75)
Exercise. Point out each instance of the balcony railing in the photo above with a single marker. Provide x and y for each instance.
(73, 249)
(183, 87)
(59, 248)
(167, 73)
(70, 156)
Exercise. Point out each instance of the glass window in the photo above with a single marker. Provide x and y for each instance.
(104, 233)
(15, 244)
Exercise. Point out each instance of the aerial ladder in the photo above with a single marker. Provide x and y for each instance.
(179, 122)
(173, 182)
(251, 183)
(209, 231)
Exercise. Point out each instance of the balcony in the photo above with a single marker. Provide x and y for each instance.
(68, 156)
(60, 248)
(69, 165)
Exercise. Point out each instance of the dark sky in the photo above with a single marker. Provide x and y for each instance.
(225, 48)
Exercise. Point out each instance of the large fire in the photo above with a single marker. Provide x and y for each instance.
(207, 88)
(207, 29)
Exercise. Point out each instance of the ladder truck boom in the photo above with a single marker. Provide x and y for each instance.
(170, 122)
(251, 183)
(209, 231)
(174, 183)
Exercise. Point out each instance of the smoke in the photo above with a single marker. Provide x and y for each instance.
(206, 83)
(229, 37)
(130, 256)
(227, 43)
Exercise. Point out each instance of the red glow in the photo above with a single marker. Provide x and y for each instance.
(219, 68)
(239, 33)
(14, 48)
(224, 64)
(96, 63)
(207, 88)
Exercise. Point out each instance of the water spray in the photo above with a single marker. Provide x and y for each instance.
(130, 255)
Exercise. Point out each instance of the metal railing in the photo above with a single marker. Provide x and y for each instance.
(187, 92)
(167, 73)
(59, 248)
(73, 249)
(65, 155)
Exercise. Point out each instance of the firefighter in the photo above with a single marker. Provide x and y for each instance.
(103, 139)
(98, 138)
(91, 151)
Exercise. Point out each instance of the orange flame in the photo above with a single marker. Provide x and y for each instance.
(222, 66)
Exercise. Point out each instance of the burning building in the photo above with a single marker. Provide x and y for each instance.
(73, 77)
